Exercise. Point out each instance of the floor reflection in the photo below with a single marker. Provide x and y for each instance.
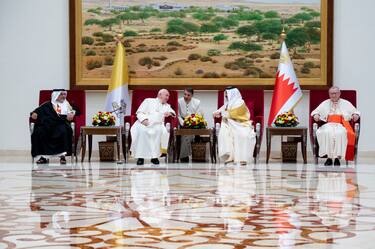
(258, 206)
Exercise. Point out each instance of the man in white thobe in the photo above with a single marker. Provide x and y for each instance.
(187, 105)
(333, 136)
(236, 136)
(149, 135)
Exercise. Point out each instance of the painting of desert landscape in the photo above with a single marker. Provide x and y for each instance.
(201, 39)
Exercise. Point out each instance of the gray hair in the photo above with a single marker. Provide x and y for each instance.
(162, 91)
(334, 88)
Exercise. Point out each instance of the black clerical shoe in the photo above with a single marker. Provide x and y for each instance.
(328, 162)
(155, 161)
(337, 162)
(42, 160)
(62, 160)
(184, 159)
(140, 161)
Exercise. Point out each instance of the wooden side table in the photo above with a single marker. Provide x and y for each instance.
(191, 132)
(89, 131)
(285, 131)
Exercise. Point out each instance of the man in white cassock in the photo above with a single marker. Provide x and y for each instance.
(236, 136)
(149, 135)
(187, 105)
(335, 138)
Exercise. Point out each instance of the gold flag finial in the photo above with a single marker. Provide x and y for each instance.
(282, 35)
(119, 37)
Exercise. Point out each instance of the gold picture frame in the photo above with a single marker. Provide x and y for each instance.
(78, 80)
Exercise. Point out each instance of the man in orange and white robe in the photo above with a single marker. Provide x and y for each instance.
(336, 138)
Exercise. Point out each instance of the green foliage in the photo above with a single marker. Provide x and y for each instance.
(128, 17)
(296, 37)
(100, 44)
(108, 60)
(309, 64)
(145, 61)
(143, 15)
(304, 16)
(175, 22)
(176, 29)
(220, 37)
(314, 35)
(92, 22)
(299, 36)
(96, 10)
(271, 14)
(247, 30)
(272, 26)
(205, 58)
(174, 43)
(130, 33)
(178, 26)
(90, 53)
(292, 20)
(107, 37)
(92, 64)
(305, 70)
(202, 15)
(98, 34)
(269, 36)
(109, 22)
(313, 24)
(87, 40)
(213, 52)
(155, 30)
(209, 28)
(245, 46)
(230, 23)
(247, 16)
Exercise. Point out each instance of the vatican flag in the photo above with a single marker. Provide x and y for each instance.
(118, 94)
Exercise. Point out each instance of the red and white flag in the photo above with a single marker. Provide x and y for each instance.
(287, 92)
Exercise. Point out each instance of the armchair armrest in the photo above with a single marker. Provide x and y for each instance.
(353, 124)
(73, 126)
(258, 119)
(130, 119)
(318, 123)
(173, 121)
(217, 121)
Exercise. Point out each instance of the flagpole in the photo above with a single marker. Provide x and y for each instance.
(120, 110)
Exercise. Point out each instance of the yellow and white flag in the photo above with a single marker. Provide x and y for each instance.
(118, 94)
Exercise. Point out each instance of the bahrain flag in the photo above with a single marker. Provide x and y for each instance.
(287, 92)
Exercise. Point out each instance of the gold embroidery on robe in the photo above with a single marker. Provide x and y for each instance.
(240, 114)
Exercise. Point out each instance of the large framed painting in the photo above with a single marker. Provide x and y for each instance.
(205, 44)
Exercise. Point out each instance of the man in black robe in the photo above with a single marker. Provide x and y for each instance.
(52, 135)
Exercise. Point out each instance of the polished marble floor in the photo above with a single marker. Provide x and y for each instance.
(187, 206)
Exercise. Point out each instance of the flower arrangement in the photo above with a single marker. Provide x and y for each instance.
(287, 119)
(194, 121)
(103, 119)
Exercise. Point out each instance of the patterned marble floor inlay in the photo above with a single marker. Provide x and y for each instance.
(185, 206)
